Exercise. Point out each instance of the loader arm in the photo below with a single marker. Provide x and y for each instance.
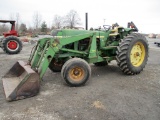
(46, 49)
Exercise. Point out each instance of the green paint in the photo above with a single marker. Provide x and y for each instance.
(92, 46)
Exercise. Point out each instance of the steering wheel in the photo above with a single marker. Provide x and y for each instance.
(107, 27)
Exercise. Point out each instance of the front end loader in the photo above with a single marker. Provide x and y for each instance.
(71, 52)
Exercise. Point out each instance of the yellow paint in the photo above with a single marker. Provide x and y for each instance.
(58, 36)
(76, 74)
(54, 44)
(137, 54)
(99, 36)
(61, 36)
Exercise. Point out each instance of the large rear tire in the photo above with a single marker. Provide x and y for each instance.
(132, 54)
(56, 66)
(11, 45)
(76, 72)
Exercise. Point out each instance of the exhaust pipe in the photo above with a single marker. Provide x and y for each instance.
(86, 17)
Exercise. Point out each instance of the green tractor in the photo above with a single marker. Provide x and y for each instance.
(71, 51)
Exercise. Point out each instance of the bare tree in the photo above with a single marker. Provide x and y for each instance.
(72, 19)
(17, 21)
(23, 28)
(3, 28)
(57, 21)
(37, 20)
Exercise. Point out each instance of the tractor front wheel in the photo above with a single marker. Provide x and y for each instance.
(76, 72)
(132, 54)
(11, 45)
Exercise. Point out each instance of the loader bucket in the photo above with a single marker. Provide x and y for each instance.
(20, 82)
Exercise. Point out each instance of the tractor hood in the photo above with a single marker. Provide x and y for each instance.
(72, 32)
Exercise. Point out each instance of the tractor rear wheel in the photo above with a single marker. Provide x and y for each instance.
(11, 45)
(56, 66)
(76, 72)
(132, 54)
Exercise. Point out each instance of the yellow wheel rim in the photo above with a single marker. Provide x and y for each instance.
(137, 54)
(76, 74)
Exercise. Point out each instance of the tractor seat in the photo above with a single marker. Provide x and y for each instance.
(114, 32)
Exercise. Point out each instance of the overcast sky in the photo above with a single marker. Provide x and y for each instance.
(144, 13)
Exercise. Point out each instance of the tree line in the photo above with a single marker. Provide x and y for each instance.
(70, 20)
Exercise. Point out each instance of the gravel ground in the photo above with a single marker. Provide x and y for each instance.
(109, 95)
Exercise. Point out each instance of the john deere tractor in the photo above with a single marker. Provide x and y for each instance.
(71, 52)
(10, 43)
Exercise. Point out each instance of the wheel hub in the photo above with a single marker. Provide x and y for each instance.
(12, 45)
(76, 73)
(137, 54)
